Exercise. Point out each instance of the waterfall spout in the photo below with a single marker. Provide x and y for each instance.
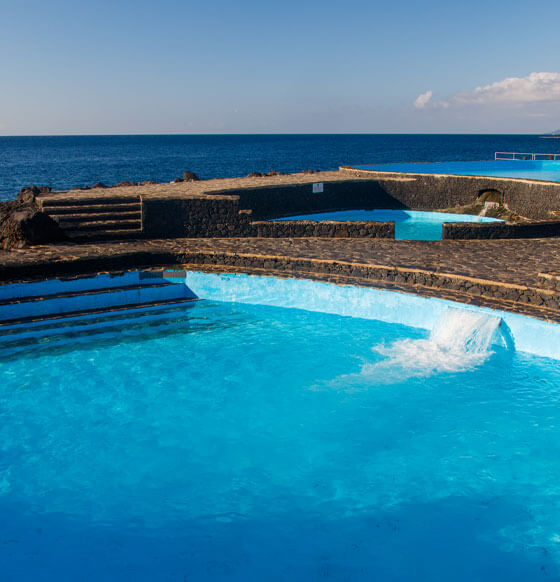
(460, 341)
(464, 331)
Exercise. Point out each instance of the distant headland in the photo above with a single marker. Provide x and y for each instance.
(552, 134)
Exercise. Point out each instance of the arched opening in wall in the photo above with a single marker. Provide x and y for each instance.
(490, 195)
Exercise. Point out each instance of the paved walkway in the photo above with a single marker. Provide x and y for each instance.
(497, 273)
(227, 186)
(509, 261)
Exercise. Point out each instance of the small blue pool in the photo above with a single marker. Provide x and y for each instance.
(275, 430)
(409, 224)
(546, 170)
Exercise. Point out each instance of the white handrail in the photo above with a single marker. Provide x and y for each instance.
(525, 156)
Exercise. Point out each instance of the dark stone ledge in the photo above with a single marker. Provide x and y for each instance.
(490, 230)
(538, 302)
(327, 228)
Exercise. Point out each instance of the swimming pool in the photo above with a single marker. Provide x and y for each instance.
(409, 224)
(252, 436)
(525, 169)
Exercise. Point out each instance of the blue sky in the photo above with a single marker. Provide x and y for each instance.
(285, 67)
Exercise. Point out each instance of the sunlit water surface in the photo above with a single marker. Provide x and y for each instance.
(409, 224)
(542, 169)
(242, 442)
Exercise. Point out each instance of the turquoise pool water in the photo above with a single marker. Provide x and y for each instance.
(228, 441)
(409, 224)
(526, 169)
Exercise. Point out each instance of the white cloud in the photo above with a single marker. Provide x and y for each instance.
(423, 100)
(535, 88)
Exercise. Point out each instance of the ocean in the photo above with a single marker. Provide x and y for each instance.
(63, 162)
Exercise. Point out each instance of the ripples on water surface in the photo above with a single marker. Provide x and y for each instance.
(259, 443)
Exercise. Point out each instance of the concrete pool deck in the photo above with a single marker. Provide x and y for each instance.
(516, 275)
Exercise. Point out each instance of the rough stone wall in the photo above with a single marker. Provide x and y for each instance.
(328, 229)
(391, 192)
(278, 201)
(488, 230)
(221, 215)
(528, 198)
(194, 217)
(531, 199)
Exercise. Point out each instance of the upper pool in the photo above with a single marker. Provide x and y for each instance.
(409, 224)
(525, 169)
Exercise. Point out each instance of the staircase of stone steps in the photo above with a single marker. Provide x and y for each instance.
(91, 219)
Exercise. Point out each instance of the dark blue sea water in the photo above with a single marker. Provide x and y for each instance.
(66, 161)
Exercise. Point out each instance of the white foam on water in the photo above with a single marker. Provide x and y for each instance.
(460, 341)
(465, 331)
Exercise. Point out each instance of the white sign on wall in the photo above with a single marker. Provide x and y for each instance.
(317, 187)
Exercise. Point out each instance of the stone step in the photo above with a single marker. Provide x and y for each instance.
(92, 209)
(69, 201)
(98, 216)
(102, 225)
(103, 235)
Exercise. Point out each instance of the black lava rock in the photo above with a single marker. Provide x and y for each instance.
(190, 177)
(28, 194)
(22, 224)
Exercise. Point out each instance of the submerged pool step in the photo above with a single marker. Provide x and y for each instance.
(86, 300)
(54, 330)
(84, 283)
(67, 294)
(103, 312)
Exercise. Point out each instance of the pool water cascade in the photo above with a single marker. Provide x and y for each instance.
(465, 331)
(193, 426)
(459, 341)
